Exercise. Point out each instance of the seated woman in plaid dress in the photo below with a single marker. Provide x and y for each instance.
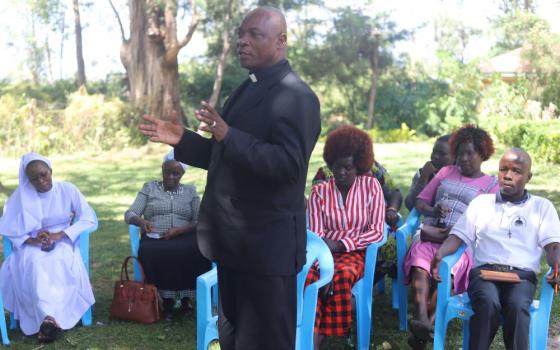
(167, 213)
(442, 202)
(347, 211)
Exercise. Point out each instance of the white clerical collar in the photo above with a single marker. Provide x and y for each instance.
(253, 77)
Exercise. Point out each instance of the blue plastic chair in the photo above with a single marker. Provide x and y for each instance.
(402, 236)
(134, 233)
(363, 294)
(84, 251)
(3, 329)
(207, 284)
(458, 306)
(395, 290)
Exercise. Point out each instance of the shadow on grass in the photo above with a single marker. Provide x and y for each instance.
(110, 182)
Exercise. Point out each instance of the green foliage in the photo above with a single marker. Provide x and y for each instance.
(459, 104)
(500, 100)
(406, 97)
(453, 35)
(196, 79)
(540, 138)
(403, 134)
(543, 141)
(54, 93)
(517, 29)
(87, 122)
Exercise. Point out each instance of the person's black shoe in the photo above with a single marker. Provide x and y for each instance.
(168, 307)
(392, 271)
(421, 330)
(416, 343)
(186, 306)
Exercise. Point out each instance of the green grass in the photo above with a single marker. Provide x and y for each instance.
(110, 181)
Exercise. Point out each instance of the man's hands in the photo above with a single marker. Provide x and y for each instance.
(434, 268)
(441, 210)
(427, 171)
(46, 240)
(212, 122)
(334, 246)
(169, 132)
(145, 225)
(553, 259)
(392, 218)
(553, 278)
(173, 232)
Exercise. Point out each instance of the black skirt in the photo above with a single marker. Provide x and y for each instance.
(172, 264)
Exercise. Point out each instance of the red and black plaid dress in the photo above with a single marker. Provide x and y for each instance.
(356, 224)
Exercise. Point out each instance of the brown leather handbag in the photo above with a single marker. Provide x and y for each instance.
(134, 301)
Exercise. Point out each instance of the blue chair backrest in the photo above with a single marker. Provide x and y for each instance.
(317, 251)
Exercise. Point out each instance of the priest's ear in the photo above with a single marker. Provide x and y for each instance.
(282, 41)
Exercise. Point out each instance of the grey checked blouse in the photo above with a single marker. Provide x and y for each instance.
(165, 209)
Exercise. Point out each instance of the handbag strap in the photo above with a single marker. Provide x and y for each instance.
(124, 269)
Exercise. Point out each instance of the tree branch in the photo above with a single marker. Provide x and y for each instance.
(192, 27)
(120, 22)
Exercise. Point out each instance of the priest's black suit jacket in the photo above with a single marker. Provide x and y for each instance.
(252, 215)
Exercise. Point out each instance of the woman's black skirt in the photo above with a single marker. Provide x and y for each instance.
(172, 264)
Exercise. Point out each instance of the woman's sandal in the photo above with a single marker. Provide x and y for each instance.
(416, 343)
(186, 307)
(49, 331)
(422, 331)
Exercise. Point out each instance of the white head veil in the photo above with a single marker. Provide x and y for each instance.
(171, 156)
(23, 212)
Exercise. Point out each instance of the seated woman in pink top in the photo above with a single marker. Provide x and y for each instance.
(442, 202)
(347, 211)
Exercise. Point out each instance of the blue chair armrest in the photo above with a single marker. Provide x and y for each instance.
(371, 259)
(545, 305)
(84, 242)
(204, 285)
(403, 233)
(206, 328)
(444, 287)
(7, 246)
(413, 221)
(449, 261)
(326, 262)
(134, 233)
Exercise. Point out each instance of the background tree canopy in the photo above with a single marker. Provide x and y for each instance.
(351, 54)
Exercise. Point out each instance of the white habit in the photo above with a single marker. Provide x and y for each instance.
(35, 283)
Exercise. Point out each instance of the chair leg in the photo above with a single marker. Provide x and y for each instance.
(3, 329)
(440, 331)
(363, 322)
(466, 334)
(403, 307)
(381, 286)
(86, 318)
(13, 322)
(395, 293)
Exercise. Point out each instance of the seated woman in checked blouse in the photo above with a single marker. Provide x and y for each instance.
(347, 211)
(167, 213)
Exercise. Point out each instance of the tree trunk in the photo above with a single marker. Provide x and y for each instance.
(150, 56)
(49, 59)
(373, 91)
(79, 52)
(223, 57)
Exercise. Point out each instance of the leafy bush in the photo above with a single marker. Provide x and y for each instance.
(540, 138)
(88, 122)
(404, 134)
